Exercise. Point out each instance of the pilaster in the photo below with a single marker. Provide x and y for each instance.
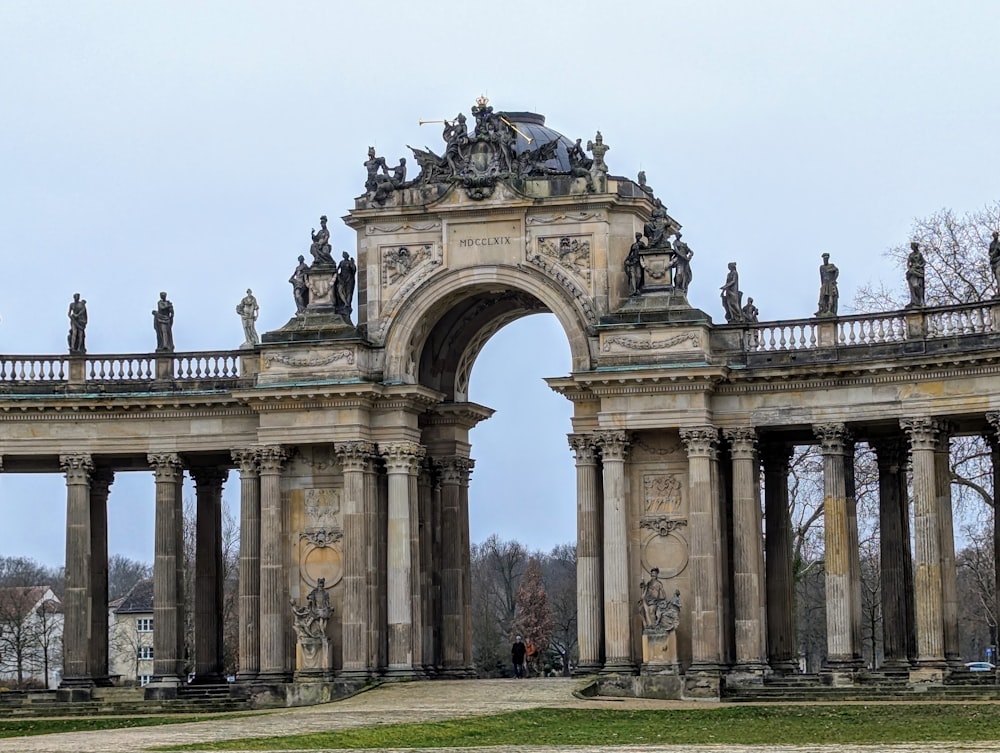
(247, 460)
(588, 553)
(617, 612)
(78, 600)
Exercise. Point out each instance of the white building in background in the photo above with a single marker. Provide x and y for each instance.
(130, 635)
(31, 631)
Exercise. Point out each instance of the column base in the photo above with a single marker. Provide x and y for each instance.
(77, 682)
(402, 673)
(209, 678)
(785, 667)
(747, 675)
(928, 674)
(839, 673)
(587, 668)
(362, 675)
(313, 675)
(703, 681)
(246, 677)
(273, 678)
(619, 666)
(453, 673)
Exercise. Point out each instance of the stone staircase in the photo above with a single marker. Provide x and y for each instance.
(869, 686)
(196, 699)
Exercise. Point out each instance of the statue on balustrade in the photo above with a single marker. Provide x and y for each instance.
(732, 296)
(915, 276)
(347, 273)
(163, 324)
(682, 264)
(829, 294)
(633, 266)
(248, 310)
(300, 286)
(751, 313)
(320, 248)
(77, 326)
(995, 260)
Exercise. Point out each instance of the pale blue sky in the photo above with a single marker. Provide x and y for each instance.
(190, 147)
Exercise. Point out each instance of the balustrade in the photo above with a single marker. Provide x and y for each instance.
(121, 369)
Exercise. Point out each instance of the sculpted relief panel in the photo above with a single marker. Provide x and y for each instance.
(570, 252)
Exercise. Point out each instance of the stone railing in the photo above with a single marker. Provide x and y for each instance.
(178, 370)
(881, 329)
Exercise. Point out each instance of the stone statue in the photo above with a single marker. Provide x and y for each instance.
(319, 598)
(598, 148)
(347, 273)
(659, 614)
(300, 286)
(456, 138)
(915, 276)
(320, 248)
(751, 312)
(995, 260)
(829, 295)
(682, 264)
(372, 166)
(77, 326)
(657, 229)
(163, 323)
(398, 177)
(248, 311)
(580, 164)
(633, 266)
(732, 296)
(646, 189)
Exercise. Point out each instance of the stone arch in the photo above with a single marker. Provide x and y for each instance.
(437, 334)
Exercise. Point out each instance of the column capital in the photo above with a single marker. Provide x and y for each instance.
(402, 456)
(700, 441)
(455, 469)
(922, 432)
(167, 466)
(247, 459)
(356, 455)
(742, 441)
(890, 453)
(272, 458)
(584, 447)
(775, 456)
(77, 467)
(613, 444)
(102, 479)
(834, 439)
(209, 477)
(993, 417)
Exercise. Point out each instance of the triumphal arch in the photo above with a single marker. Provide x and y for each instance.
(349, 429)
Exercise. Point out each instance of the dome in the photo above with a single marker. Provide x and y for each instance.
(532, 125)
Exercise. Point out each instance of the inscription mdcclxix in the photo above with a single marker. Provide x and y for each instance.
(503, 240)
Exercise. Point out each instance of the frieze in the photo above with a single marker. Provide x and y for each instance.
(638, 343)
(308, 361)
(404, 227)
(570, 252)
(641, 447)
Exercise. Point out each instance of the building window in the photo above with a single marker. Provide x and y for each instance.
(145, 679)
(144, 625)
(145, 652)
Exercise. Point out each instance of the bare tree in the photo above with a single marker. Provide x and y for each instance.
(123, 573)
(559, 574)
(533, 618)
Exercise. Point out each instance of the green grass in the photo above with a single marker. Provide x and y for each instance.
(770, 725)
(39, 726)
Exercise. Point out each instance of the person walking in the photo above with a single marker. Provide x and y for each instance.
(517, 654)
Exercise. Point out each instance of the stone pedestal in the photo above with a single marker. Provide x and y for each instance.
(313, 659)
(323, 317)
(659, 652)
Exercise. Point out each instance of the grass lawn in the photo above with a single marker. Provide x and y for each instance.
(42, 726)
(772, 725)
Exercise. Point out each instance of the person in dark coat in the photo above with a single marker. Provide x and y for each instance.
(517, 654)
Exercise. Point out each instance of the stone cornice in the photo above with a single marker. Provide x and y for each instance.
(120, 413)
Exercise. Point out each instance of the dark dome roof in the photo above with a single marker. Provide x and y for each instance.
(533, 125)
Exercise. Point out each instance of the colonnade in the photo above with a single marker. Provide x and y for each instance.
(740, 585)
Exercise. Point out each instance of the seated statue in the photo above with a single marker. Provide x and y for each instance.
(320, 248)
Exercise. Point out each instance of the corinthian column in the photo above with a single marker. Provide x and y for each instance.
(923, 433)
(78, 601)
(782, 648)
(354, 458)
(702, 445)
(100, 485)
(454, 471)
(993, 438)
(617, 612)
(168, 570)
(273, 605)
(249, 602)
(894, 549)
(949, 570)
(748, 556)
(838, 450)
(208, 574)
(588, 553)
(402, 462)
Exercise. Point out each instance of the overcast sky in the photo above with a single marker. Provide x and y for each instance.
(190, 147)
